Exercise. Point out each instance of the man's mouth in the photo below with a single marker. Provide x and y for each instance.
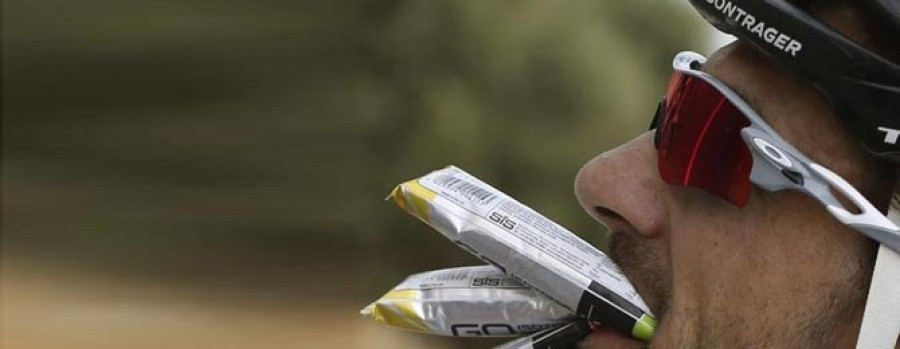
(643, 268)
(604, 338)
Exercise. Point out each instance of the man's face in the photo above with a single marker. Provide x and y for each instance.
(779, 272)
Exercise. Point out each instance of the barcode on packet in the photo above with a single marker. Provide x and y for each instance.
(465, 188)
(449, 276)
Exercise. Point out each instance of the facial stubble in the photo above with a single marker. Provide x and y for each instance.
(815, 328)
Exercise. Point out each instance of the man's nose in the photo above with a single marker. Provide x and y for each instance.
(622, 189)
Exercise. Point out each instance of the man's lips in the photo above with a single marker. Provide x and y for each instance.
(641, 266)
(603, 338)
(627, 249)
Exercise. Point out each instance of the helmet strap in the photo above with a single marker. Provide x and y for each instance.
(881, 321)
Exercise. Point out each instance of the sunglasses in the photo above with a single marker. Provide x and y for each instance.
(708, 137)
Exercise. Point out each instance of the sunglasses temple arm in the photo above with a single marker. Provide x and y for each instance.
(869, 221)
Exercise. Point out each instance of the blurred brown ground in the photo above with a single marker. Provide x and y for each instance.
(65, 309)
(210, 174)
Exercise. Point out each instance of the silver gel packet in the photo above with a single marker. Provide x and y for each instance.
(527, 246)
(467, 301)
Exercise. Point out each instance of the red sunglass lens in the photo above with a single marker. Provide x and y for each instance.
(700, 143)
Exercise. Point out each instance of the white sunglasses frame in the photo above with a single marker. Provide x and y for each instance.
(777, 165)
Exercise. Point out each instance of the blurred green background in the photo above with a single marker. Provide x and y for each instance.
(197, 173)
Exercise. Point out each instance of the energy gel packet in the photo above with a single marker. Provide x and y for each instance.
(527, 246)
(467, 301)
(566, 336)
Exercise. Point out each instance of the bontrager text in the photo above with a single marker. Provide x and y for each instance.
(748, 21)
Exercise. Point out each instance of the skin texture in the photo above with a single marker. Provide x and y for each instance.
(777, 273)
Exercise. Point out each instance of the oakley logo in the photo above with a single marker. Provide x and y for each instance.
(769, 34)
(890, 136)
(772, 152)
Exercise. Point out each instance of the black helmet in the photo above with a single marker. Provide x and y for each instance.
(863, 87)
(889, 9)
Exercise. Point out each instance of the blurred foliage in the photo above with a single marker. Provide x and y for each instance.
(248, 144)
